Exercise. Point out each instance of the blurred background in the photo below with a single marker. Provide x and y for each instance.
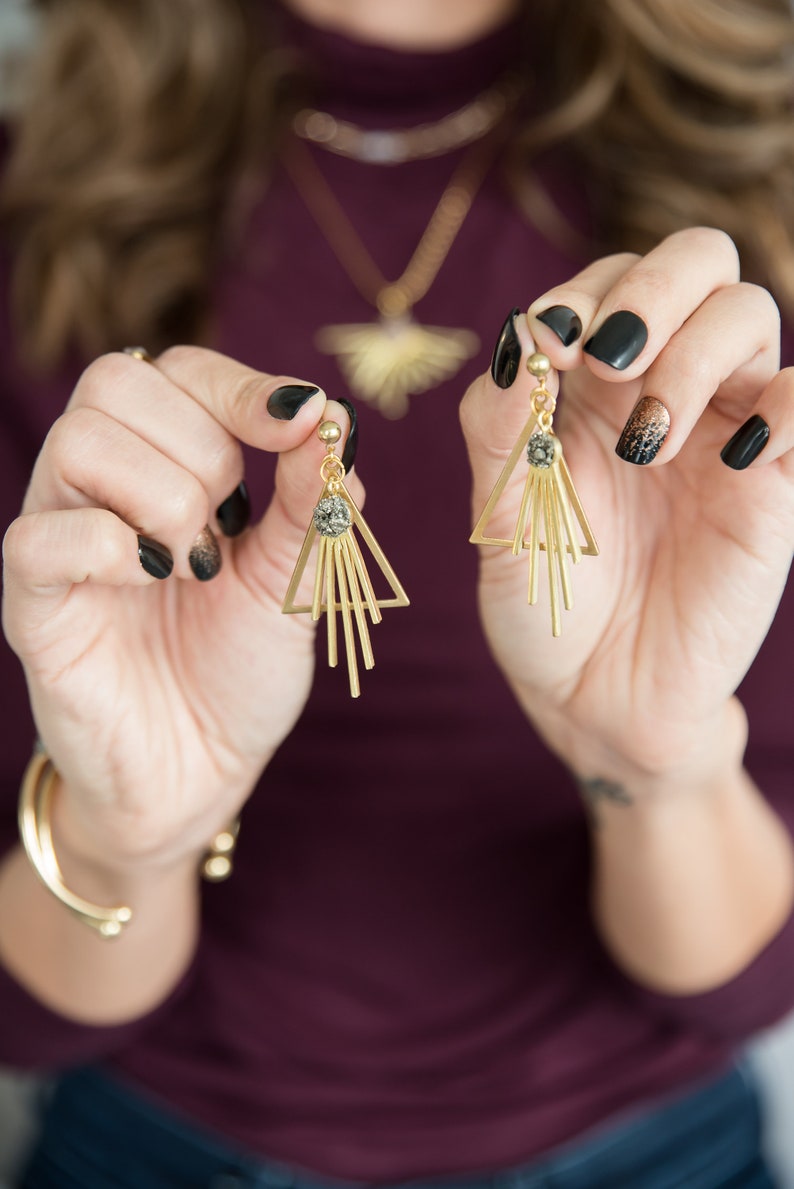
(772, 1053)
(17, 27)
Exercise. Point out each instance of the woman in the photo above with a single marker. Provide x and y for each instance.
(431, 960)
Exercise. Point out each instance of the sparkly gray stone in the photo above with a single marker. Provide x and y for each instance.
(541, 449)
(332, 516)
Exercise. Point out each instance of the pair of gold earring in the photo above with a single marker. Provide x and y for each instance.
(547, 521)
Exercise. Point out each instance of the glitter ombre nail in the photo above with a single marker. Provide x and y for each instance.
(205, 556)
(644, 432)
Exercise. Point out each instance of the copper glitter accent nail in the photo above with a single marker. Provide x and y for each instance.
(205, 556)
(644, 432)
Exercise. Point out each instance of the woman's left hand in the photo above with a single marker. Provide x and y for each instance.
(693, 553)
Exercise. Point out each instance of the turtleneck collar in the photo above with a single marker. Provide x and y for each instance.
(379, 86)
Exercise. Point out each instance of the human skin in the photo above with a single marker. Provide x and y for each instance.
(410, 25)
(637, 693)
(645, 670)
(144, 691)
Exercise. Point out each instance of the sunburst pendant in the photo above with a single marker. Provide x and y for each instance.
(387, 361)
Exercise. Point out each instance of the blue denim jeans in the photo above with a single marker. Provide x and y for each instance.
(98, 1134)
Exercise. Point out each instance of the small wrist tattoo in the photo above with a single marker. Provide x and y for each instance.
(595, 790)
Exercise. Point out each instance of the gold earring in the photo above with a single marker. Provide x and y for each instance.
(341, 581)
(549, 495)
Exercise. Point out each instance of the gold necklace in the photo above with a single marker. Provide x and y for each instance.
(386, 361)
(393, 146)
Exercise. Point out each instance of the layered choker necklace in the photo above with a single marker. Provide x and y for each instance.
(393, 146)
(388, 360)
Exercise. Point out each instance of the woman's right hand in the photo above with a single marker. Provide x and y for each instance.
(161, 701)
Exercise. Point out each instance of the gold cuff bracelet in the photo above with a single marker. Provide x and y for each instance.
(35, 803)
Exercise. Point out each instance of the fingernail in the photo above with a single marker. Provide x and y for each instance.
(205, 556)
(154, 557)
(235, 512)
(619, 340)
(285, 402)
(351, 445)
(565, 322)
(507, 352)
(644, 432)
(746, 444)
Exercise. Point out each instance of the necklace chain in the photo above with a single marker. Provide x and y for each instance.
(396, 297)
(395, 145)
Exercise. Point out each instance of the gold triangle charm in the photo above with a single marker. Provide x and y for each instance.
(387, 361)
(549, 498)
(341, 581)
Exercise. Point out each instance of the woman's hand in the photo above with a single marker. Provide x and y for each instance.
(161, 700)
(693, 554)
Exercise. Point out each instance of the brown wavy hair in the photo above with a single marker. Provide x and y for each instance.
(144, 124)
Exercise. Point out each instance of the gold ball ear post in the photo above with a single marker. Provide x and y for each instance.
(329, 432)
(539, 365)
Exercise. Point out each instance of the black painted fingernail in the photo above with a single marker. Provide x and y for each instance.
(154, 557)
(565, 322)
(644, 432)
(235, 512)
(507, 352)
(285, 402)
(619, 340)
(351, 445)
(205, 556)
(746, 444)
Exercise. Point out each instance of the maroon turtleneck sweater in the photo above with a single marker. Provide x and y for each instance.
(402, 977)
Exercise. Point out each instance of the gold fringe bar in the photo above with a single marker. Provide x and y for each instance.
(347, 623)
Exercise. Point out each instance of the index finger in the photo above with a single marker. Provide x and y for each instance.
(269, 412)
